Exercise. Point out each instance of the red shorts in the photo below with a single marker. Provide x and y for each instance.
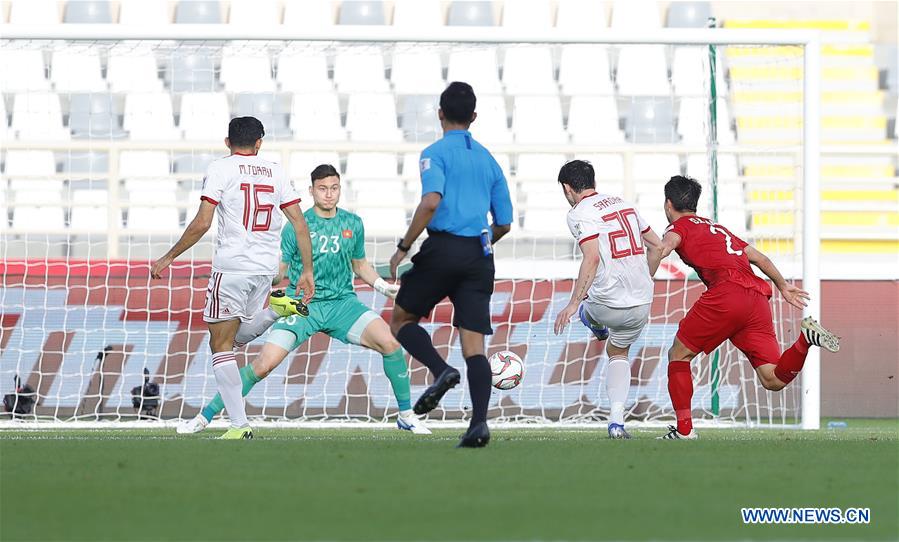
(730, 311)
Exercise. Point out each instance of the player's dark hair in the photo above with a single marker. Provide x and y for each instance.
(458, 103)
(578, 174)
(322, 171)
(683, 193)
(244, 131)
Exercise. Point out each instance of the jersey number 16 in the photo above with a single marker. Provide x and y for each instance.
(255, 207)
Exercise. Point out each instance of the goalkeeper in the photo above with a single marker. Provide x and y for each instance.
(338, 240)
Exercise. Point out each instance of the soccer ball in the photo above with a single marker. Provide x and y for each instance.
(507, 370)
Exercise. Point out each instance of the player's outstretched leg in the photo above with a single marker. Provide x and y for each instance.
(775, 377)
(680, 388)
(279, 305)
(600, 331)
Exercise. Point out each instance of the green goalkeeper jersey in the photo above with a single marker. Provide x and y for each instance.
(336, 242)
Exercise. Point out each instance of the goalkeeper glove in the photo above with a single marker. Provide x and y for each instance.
(386, 289)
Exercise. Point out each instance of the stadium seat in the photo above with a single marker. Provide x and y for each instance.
(153, 219)
(608, 168)
(492, 123)
(531, 15)
(594, 119)
(34, 12)
(204, 116)
(690, 72)
(315, 14)
(89, 210)
(545, 210)
(370, 165)
(77, 69)
(581, 15)
(584, 69)
(4, 121)
(94, 116)
(198, 12)
(246, 70)
(655, 167)
(30, 163)
(38, 218)
(362, 12)
(470, 13)
(529, 70)
(303, 162)
(145, 12)
(477, 67)
(372, 117)
(254, 13)
(149, 116)
(419, 119)
(28, 65)
(144, 164)
(195, 162)
(538, 119)
(417, 14)
(90, 164)
(688, 14)
(380, 222)
(360, 71)
(417, 72)
(37, 195)
(38, 116)
(642, 71)
(300, 71)
(650, 120)
(267, 108)
(191, 72)
(636, 15)
(156, 186)
(698, 166)
(316, 117)
(539, 167)
(692, 120)
(88, 12)
(131, 69)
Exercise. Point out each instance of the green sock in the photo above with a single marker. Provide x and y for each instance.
(398, 373)
(247, 377)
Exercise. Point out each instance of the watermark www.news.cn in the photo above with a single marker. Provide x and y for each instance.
(806, 515)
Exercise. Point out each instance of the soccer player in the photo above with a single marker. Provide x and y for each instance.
(339, 239)
(245, 189)
(613, 281)
(734, 306)
(460, 184)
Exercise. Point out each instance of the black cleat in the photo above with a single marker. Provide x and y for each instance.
(476, 437)
(435, 392)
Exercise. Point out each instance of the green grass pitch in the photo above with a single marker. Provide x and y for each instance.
(378, 484)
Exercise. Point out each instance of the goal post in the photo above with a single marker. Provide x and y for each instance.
(534, 265)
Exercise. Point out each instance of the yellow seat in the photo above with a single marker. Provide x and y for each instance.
(778, 246)
(794, 24)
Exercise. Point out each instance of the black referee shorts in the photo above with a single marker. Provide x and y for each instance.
(450, 266)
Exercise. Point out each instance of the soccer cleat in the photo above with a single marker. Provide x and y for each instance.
(408, 421)
(673, 434)
(616, 431)
(816, 335)
(193, 425)
(238, 433)
(284, 305)
(599, 331)
(435, 392)
(476, 437)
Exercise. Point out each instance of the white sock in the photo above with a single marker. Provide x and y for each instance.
(224, 365)
(248, 331)
(618, 383)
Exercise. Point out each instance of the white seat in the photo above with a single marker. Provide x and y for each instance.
(372, 117)
(491, 124)
(38, 116)
(370, 165)
(379, 192)
(254, 13)
(300, 71)
(38, 218)
(528, 69)
(417, 14)
(4, 122)
(642, 71)
(133, 70)
(581, 15)
(655, 167)
(538, 119)
(246, 70)
(530, 15)
(155, 219)
(477, 67)
(316, 117)
(411, 168)
(594, 119)
(698, 166)
(34, 12)
(148, 116)
(163, 187)
(204, 116)
(417, 72)
(77, 69)
(308, 14)
(52, 187)
(28, 65)
(360, 71)
(545, 209)
(145, 12)
(303, 162)
(89, 210)
(692, 120)
(690, 72)
(607, 167)
(636, 15)
(144, 164)
(38, 195)
(381, 222)
(21, 163)
(152, 195)
(538, 167)
(584, 69)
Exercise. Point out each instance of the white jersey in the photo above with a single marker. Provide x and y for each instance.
(248, 193)
(622, 279)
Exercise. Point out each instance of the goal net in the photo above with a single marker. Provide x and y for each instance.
(109, 140)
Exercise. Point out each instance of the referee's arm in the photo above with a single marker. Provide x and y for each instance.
(420, 220)
(500, 206)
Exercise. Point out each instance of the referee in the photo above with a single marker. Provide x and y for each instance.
(460, 183)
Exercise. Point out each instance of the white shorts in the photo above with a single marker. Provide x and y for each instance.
(625, 324)
(230, 296)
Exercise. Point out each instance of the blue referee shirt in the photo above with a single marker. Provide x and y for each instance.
(471, 182)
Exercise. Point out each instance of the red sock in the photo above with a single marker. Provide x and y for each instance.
(792, 360)
(680, 388)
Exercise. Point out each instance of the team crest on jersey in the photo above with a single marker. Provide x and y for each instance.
(577, 229)
(347, 234)
(424, 164)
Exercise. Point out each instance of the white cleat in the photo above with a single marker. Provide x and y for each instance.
(816, 335)
(194, 425)
(408, 421)
(673, 434)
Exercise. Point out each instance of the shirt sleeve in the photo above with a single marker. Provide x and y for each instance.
(642, 223)
(582, 230)
(500, 199)
(433, 175)
(214, 184)
(679, 227)
(359, 237)
(289, 194)
(288, 243)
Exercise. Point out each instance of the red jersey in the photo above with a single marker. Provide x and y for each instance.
(716, 254)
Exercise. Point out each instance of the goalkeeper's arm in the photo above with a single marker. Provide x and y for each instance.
(364, 270)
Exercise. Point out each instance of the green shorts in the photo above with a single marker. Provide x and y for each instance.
(343, 319)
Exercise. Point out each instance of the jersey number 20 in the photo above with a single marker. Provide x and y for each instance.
(627, 220)
(258, 208)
